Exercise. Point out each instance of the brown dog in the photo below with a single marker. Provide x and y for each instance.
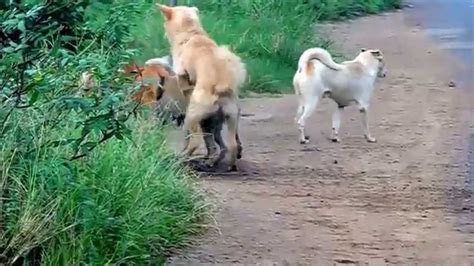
(151, 80)
(216, 72)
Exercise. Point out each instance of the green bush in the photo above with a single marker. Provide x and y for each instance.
(82, 181)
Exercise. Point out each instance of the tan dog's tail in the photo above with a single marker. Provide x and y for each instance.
(321, 55)
(238, 72)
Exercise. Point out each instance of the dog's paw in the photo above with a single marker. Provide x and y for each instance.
(210, 163)
(199, 165)
(305, 141)
(370, 139)
(233, 168)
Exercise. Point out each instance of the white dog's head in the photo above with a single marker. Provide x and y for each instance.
(375, 57)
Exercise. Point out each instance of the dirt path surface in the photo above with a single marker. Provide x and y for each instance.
(402, 200)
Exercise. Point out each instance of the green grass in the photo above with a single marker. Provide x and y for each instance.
(269, 35)
(128, 202)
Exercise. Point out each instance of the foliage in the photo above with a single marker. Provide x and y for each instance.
(127, 200)
(41, 41)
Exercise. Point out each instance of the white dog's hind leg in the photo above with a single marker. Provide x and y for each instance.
(300, 111)
(365, 124)
(336, 124)
(308, 109)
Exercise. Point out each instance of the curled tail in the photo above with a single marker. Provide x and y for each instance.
(321, 55)
(165, 61)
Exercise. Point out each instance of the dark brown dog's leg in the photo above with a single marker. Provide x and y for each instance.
(178, 119)
(237, 138)
(220, 119)
(239, 146)
(208, 130)
(212, 129)
(213, 126)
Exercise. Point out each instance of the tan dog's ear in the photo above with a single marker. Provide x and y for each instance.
(363, 50)
(166, 11)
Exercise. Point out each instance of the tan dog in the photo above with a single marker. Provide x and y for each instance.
(178, 93)
(216, 72)
(349, 82)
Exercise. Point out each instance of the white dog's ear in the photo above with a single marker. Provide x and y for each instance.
(363, 50)
(376, 53)
(195, 9)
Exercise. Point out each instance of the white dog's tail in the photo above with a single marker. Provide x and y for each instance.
(165, 61)
(321, 55)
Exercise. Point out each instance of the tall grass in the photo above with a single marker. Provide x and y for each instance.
(269, 35)
(128, 202)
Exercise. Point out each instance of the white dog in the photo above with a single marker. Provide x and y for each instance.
(319, 76)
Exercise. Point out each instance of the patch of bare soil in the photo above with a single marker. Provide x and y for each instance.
(397, 201)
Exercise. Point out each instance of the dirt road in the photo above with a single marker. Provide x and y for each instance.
(402, 200)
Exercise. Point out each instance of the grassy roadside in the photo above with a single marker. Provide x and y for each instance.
(128, 202)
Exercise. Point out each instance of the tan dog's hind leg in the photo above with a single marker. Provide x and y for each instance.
(195, 113)
(190, 139)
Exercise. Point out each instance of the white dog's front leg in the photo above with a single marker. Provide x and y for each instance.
(178, 68)
(303, 138)
(177, 64)
(365, 125)
(336, 124)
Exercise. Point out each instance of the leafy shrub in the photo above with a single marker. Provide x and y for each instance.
(76, 186)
